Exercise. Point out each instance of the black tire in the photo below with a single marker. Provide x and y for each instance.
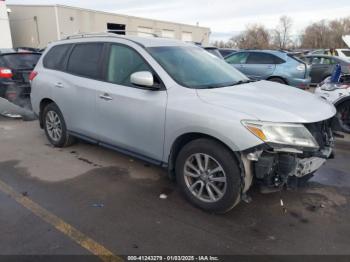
(228, 162)
(343, 115)
(64, 139)
(277, 80)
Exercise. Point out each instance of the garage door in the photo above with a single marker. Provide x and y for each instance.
(144, 31)
(186, 36)
(168, 33)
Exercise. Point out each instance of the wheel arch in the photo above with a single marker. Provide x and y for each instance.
(341, 101)
(279, 77)
(43, 103)
(186, 138)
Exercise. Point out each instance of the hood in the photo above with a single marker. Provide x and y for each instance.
(269, 101)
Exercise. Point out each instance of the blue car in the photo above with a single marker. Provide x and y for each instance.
(277, 66)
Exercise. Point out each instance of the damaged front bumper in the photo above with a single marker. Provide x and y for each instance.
(272, 167)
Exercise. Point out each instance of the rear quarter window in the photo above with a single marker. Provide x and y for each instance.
(56, 57)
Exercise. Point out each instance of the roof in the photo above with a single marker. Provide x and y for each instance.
(143, 41)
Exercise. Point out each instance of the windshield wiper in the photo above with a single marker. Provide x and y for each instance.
(243, 82)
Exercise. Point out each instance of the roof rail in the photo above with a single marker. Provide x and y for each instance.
(108, 33)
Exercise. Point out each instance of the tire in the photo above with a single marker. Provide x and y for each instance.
(343, 115)
(228, 172)
(53, 122)
(277, 80)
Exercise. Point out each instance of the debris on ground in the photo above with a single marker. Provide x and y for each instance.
(25, 193)
(247, 199)
(284, 209)
(163, 196)
(98, 205)
(322, 205)
(131, 160)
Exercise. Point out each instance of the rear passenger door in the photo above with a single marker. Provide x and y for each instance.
(260, 65)
(129, 117)
(75, 91)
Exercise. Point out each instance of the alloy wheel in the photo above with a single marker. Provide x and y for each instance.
(53, 125)
(205, 177)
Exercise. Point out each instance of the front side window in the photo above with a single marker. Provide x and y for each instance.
(239, 58)
(84, 60)
(193, 67)
(123, 62)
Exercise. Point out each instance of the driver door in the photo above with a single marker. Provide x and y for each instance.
(130, 118)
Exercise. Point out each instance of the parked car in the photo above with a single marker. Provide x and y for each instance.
(227, 51)
(339, 95)
(341, 52)
(214, 51)
(276, 66)
(15, 67)
(322, 66)
(173, 104)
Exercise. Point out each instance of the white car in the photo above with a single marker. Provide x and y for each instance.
(175, 105)
(339, 95)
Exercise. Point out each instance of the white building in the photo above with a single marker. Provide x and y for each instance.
(37, 25)
(5, 33)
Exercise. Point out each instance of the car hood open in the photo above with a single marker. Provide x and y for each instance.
(269, 101)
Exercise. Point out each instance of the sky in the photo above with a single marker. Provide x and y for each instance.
(225, 18)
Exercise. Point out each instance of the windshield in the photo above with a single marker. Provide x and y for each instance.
(20, 61)
(194, 67)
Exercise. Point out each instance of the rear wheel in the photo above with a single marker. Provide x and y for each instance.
(277, 80)
(209, 175)
(55, 127)
(343, 115)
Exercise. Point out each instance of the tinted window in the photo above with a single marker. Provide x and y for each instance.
(21, 60)
(56, 57)
(260, 58)
(238, 58)
(84, 60)
(123, 62)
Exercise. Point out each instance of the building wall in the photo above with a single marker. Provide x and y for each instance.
(56, 22)
(33, 26)
(5, 37)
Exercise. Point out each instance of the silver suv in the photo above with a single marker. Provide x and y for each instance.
(175, 105)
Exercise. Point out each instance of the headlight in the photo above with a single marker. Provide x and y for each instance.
(282, 133)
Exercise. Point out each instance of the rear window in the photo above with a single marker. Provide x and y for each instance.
(56, 57)
(20, 61)
(84, 60)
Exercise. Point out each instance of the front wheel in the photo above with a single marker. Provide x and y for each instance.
(343, 115)
(55, 127)
(209, 176)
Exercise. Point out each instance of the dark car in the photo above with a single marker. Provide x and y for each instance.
(227, 51)
(322, 66)
(214, 51)
(15, 68)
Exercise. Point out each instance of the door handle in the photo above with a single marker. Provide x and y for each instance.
(106, 97)
(59, 85)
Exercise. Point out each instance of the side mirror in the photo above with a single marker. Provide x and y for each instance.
(142, 78)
